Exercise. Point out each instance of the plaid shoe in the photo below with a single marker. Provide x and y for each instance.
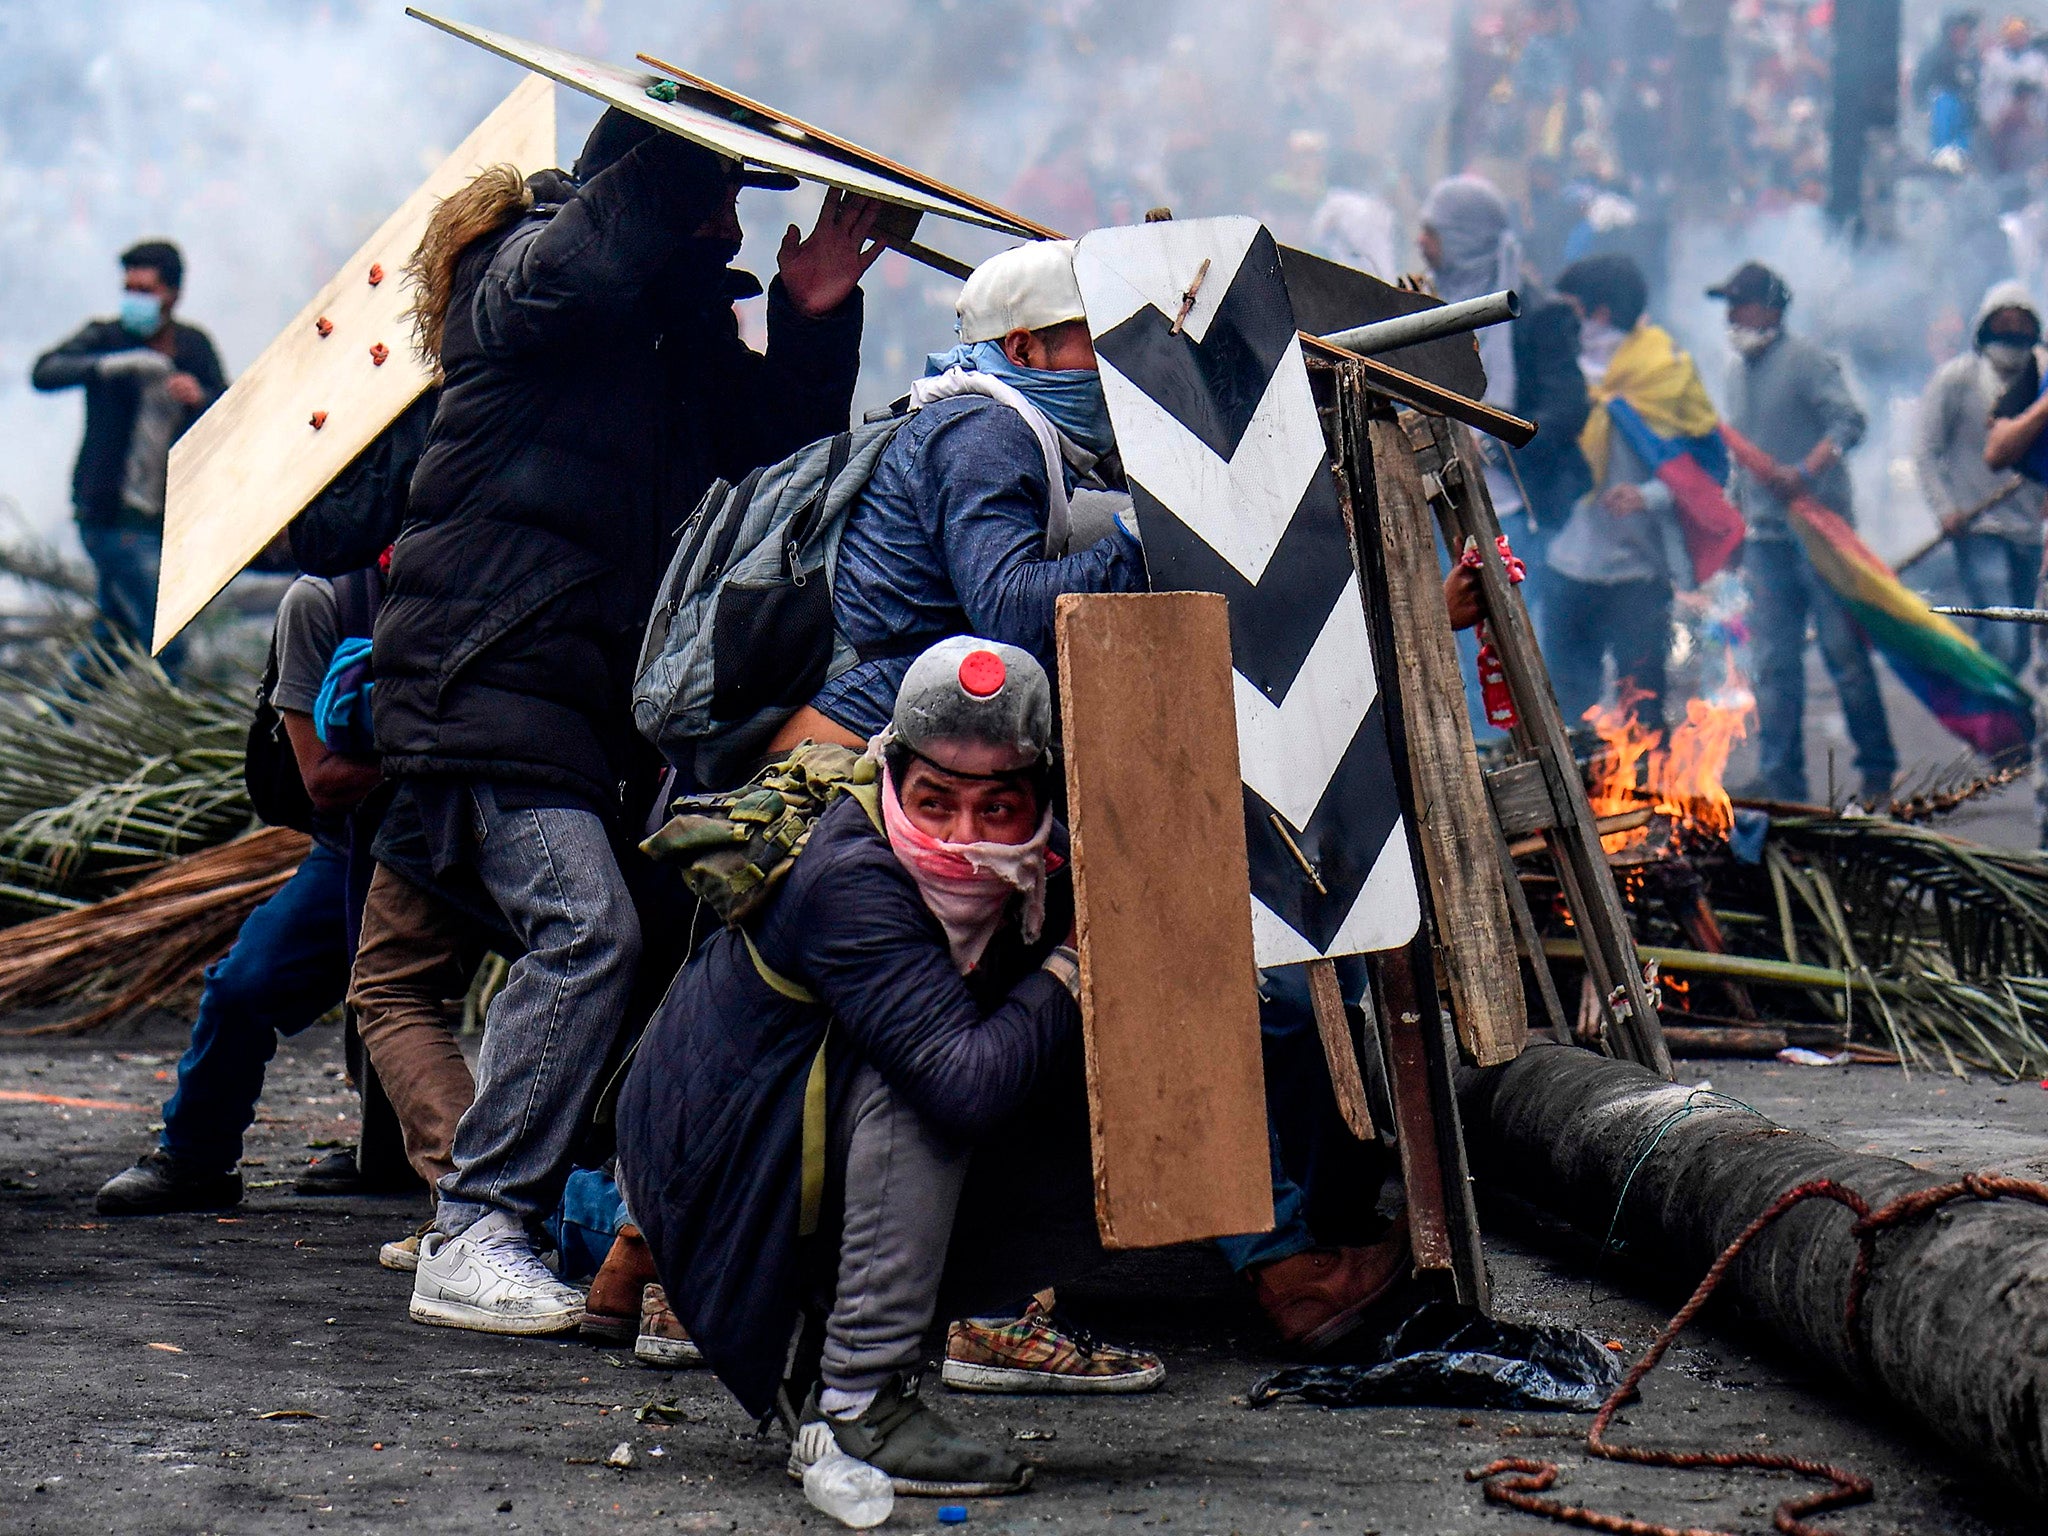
(663, 1341)
(1037, 1354)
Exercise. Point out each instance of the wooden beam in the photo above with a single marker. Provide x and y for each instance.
(847, 147)
(1454, 817)
(1169, 993)
(1326, 996)
(1425, 396)
(1450, 459)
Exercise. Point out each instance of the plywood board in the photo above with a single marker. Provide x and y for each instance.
(743, 108)
(708, 119)
(255, 459)
(1231, 484)
(1169, 993)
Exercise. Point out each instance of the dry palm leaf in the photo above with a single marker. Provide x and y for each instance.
(132, 950)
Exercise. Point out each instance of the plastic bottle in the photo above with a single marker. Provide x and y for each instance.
(850, 1491)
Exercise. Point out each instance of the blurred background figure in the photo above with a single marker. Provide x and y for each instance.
(146, 379)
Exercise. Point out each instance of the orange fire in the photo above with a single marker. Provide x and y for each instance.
(1681, 781)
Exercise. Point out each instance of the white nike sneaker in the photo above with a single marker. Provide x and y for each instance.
(490, 1280)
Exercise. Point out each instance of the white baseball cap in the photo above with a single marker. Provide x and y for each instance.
(1025, 289)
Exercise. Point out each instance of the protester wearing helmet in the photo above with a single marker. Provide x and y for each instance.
(963, 528)
(891, 1054)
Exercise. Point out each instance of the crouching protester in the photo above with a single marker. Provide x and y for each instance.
(964, 527)
(868, 1103)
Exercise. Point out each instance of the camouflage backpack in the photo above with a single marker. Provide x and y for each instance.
(735, 846)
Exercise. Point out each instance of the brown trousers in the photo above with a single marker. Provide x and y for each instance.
(413, 969)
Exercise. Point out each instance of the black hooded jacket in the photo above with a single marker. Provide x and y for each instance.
(1551, 391)
(595, 383)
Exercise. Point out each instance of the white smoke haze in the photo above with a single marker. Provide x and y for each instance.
(269, 137)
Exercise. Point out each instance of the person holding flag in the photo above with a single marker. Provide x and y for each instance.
(1790, 420)
(1655, 518)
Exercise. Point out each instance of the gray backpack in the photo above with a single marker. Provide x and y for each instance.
(742, 634)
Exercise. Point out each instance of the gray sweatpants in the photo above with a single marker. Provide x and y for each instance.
(1028, 1222)
(903, 1183)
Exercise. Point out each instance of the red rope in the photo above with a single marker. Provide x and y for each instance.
(1845, 1488)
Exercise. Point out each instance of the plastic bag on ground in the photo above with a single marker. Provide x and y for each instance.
(1449, 1356)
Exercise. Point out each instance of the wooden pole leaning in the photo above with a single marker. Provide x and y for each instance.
(1415, 1039)
(1449, 460)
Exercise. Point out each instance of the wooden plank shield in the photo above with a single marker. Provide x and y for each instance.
(1169, 994)
(318, 396)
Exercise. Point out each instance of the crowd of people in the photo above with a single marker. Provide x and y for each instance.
(806, 1135)
(856, 1108)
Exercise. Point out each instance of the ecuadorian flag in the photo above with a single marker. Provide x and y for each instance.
(1966, 688)
(1651, 395)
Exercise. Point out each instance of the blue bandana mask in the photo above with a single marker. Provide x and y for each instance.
(142, 314)
(1070, 397)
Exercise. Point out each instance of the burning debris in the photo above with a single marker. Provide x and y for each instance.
(1850, 931)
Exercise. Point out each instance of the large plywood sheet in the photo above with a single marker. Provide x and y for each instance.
(1169, 994)
(255, 459)
(708, 116)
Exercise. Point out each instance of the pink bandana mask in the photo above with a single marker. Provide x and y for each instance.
(967, 885)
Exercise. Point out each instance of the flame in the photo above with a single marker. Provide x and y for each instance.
(1681, 781)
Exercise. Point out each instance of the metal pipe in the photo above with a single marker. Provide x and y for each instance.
(2003, 615)
(1430, 324)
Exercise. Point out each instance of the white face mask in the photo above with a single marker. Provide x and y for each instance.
(1598, 342)
(1748, 340)
(2008, 359)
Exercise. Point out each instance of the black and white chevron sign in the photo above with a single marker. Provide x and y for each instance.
(1234, 494)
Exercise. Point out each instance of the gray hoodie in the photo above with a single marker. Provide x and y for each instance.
(1785, 399)
(1955, 414)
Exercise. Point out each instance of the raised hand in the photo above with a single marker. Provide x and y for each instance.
(818, 273)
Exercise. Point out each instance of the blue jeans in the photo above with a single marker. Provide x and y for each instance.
(288, 967)
(547, 1035)
(1784, 589)
(1586, 622)
(1316, 1157)
(127, 560)
(1997, 573)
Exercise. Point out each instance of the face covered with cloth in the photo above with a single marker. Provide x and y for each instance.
(965, 779)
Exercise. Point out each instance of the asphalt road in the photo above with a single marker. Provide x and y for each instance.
(142, 1357)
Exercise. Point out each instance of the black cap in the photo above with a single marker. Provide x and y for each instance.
(1753, 283)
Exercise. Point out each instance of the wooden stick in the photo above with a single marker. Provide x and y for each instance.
(1529, 942)
(1335, 1028)
(1187, 300)
(1415, 1137)
(873, 160)
(1952, 528)
(938, 261)
(1755, 1042)
(1425, 396)
(1620, 821)
(1465, 509)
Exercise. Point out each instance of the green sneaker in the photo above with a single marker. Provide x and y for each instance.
(923, 1454)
